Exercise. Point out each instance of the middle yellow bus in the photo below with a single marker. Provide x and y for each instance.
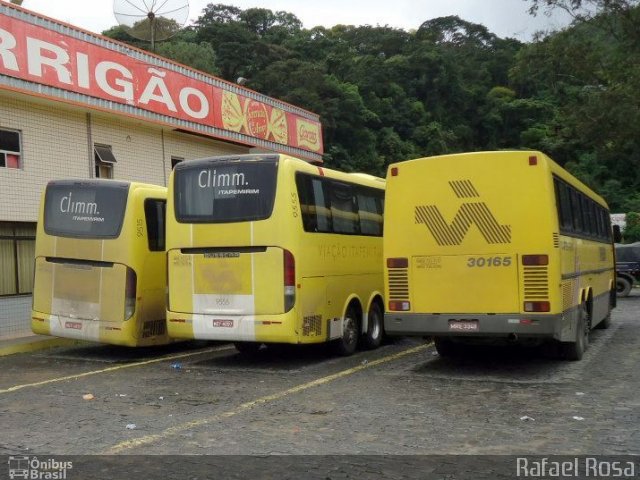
(270, 249)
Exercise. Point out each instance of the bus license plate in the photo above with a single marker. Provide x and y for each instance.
(223, 323)
(463, 325)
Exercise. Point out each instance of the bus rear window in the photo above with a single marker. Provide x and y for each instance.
(85, 209)
(223, 192)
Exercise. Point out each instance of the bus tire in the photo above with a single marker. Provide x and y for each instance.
(347, 344)
(247, 348)
(375, 327)
(445, 346)
(623, 287)
(575, 350)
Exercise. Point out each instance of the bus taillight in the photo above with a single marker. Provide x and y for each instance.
(289, 281)
(399, 306)
(535, 260)
(537, 306)
(130, 294)
(397, 262)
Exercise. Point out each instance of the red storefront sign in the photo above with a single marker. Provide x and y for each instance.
(43, 56)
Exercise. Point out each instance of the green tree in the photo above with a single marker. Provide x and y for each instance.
(196, 55)
(631, 232)
(385, 94)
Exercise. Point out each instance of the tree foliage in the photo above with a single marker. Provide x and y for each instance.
(386, 94)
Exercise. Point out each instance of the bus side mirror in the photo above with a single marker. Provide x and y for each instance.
(617, 235)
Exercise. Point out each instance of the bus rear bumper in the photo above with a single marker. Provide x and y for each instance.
(555, 326)
(275, 328)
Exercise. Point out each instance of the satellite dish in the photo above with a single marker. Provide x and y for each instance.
(151, 20)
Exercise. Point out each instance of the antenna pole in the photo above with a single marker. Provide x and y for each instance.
(153, 34)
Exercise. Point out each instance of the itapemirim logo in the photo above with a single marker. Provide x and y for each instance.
(470, 213)
(32, 468)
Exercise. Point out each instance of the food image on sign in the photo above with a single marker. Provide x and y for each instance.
(232, 112)
(278, 128)
(256, 117)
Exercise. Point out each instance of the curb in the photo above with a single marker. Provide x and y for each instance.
(28, 344)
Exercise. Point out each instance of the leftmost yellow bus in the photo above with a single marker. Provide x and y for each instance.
(100, 263)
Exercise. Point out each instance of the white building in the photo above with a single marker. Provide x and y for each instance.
(74, 104)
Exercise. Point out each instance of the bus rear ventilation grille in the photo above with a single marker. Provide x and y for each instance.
(312, 325)
(536, 282)
(153, 328)
(398, 284)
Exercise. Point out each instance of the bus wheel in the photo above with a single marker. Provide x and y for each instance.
(247, 348)
(623, 286)
(347, 345)
(575, 350)
(375, 327)
(444, 346)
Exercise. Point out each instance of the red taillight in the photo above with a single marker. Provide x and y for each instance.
(397, 262)
(130, 294)
(533, 160)
(399, 306)
(394, 171)
(537, 307)
(289, 264)
(533, 260)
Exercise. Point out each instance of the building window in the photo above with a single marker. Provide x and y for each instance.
(10, 151)
(104, 160)
(175, 161)
(17, 253)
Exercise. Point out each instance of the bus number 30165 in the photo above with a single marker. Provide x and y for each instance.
(488, 262)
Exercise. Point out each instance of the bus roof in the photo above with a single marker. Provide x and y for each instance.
(104, 181)
(360, 178)
(555, 167)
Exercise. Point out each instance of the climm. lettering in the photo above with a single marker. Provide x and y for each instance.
(67, 205)
(210, 178)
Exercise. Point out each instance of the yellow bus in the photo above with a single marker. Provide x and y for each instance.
(100, 266)
(496, 246)
(271, 249)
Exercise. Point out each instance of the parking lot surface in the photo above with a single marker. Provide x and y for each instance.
(205, 398)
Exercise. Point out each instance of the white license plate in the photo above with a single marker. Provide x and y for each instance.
(223, 323)
(463, 325)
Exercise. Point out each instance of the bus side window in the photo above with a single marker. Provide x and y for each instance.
(576, 208)
(586, 220)
(599, 224)
(563, 200)
(592, 218)
(322, 211)
(154, 212)
(344, 212)
(316, 216)
(370, 212)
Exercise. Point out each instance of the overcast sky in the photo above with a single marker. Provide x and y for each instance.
(506, 18)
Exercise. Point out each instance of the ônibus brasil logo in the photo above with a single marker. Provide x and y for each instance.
(32, 468)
